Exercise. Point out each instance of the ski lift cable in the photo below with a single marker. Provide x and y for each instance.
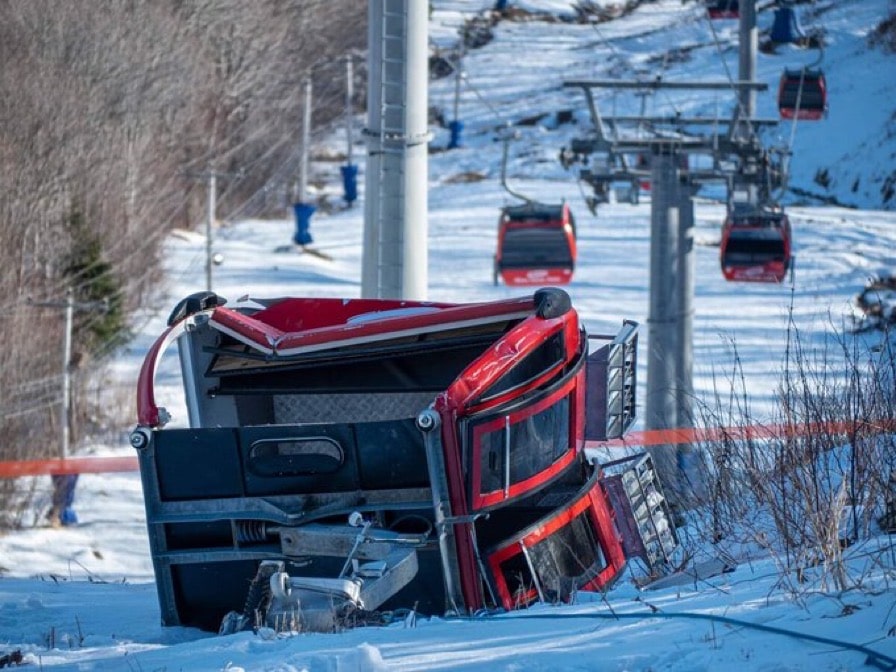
(506, 139)
(665, 92)
(799, 96)
(501, 119)
(616, 53)
(729, 76)
(618, 56)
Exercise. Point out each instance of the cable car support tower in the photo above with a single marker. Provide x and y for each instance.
(738, 160)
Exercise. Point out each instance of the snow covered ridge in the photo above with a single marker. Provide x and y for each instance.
(844, 159)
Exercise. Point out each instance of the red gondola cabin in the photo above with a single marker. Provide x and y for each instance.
(802, 94)
(755, 244)
(536, 245)
(349, 456)
(723, 9)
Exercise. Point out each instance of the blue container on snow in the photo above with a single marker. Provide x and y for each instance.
(63, 498)
(456, 127)
(303, 223)
(786, 27)
(350, 182)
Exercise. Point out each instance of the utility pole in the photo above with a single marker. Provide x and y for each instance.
(69, 306)
(64, 485)
(67, 373)
(211, 178)
(301, 207)
(209, 223)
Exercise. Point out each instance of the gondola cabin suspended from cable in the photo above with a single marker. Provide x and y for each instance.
(756, 244)
(723, 9)
(536, 245)
(802, 94)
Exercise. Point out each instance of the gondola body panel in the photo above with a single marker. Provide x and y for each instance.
(756, 246)
(536, 245)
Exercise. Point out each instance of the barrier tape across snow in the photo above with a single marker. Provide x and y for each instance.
(70, 465)
(646, 438)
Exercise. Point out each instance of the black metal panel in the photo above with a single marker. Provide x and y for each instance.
(205, 592)
(197, 464)
(536, 247)
(391, 455)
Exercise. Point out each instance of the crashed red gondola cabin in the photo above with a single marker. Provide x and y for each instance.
(346, 458)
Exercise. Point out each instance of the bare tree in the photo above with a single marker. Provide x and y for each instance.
(104, 106)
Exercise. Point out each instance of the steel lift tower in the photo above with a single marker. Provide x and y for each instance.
(737, 159)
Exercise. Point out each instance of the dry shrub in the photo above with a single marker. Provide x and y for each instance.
(816, 479)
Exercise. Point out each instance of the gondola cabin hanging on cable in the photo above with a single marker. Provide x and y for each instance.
(802, 94)
(756, 244)
(723, 9)
(536, 245)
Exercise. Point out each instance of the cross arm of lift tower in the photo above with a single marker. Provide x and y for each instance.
(739, 129)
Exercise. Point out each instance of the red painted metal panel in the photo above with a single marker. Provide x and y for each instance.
(594, 502)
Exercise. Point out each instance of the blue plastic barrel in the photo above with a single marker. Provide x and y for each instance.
(303, 223)
(63, 498)
(786, 27)
(350, 182)
(457, 128)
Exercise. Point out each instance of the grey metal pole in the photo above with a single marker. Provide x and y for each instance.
(748, 46)
(664, 312)
(690, 472)
(685, 286)
(349, 97)
(302, 192)
(209, 223)
(373, 169)
(394, 263)
(415, 267)
(67, 372)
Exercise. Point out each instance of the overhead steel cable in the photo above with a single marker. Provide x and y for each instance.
(742, 113)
